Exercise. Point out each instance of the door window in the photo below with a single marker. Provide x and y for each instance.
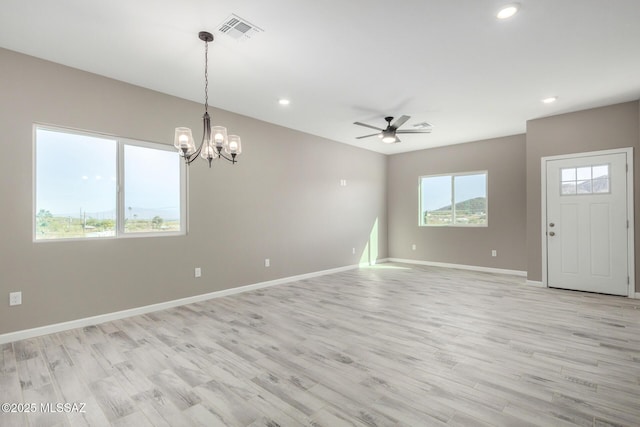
(591, 179)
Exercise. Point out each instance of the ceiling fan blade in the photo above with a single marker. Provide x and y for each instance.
(414, 131)
(367, 136)
(401, 120)
(366, 125)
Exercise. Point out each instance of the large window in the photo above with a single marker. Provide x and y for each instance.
(454, 199)
(93, 186)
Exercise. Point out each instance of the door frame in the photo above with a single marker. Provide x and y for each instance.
(630, 211)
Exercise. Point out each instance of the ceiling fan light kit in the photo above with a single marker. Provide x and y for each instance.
(389, 135)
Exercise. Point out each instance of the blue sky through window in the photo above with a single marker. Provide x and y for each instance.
(470, 186)
(436, 190)
(152, 183)
(75, 173)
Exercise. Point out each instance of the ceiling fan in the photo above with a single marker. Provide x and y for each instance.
(389, 134)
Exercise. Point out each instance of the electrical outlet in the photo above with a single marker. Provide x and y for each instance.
(198, 272)
(494, 252)
(343, 183)
(413, 247)
(267, 262)
(15, 298)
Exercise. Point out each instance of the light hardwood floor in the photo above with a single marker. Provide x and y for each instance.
(392, 345)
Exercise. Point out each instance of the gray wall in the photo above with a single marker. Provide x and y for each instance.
(504, 159)
(615, 126)
(283, 202)
(514, 188)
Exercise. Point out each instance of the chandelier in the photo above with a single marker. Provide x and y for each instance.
(215, 142)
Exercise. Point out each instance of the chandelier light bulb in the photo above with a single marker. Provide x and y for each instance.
(234, 146)
(219, 135)
(208, 152)
(184, 141)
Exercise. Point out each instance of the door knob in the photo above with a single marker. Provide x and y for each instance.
(551, 233)
(551, 224)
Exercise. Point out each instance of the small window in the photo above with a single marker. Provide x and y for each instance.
(454, 200)
(77, 177)
(593, 179)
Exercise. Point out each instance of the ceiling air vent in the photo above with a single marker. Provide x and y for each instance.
(238, 28)
(423, 125)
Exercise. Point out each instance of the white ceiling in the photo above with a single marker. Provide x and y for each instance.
(448, 62)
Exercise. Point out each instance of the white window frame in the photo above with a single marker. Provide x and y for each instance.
(453, 198)
(121, 142)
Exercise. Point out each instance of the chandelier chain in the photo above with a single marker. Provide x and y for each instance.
(206, 76)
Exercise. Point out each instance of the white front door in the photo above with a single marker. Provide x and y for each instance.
(586, 223)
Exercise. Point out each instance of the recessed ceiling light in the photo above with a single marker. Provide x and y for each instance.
(550, 100)
(283, 101)
(508, 11)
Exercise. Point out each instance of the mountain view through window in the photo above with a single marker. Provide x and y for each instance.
(459, 200)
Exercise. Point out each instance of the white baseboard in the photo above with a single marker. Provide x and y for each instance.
(376, 262)
(108, 317)
(460, 266)
(636, 296)
(535, 283)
